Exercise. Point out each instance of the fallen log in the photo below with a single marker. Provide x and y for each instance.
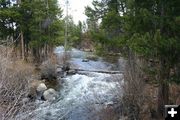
(98, 71)
(76, 70)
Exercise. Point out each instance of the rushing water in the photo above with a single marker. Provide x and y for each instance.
(82, 95)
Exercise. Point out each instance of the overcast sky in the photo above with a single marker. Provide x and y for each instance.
(76, 8)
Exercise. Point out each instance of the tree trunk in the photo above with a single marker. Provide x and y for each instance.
(22, 47)
(26, 50)
(163, 91)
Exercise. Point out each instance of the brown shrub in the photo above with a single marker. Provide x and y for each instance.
(140, 97)
(134, 96)
(48, 70)
(63, 58)
(174, 90)
(14, 79)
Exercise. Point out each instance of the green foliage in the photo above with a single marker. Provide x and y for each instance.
(149, 28)
(108, 31)
(8, 15)
(38, 20)
(74, 32)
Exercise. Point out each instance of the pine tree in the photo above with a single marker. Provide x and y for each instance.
(146, 28)
(38, 22)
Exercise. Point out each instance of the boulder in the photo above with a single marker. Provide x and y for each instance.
(66, 67)
(40, 90)
(71, 72)
(33, 88)
(50, 94)
(41, 87)
(85, 60)
(61, 72)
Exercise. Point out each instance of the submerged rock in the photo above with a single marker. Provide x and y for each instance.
(50, 94)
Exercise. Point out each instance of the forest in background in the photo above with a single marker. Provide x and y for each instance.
(35, 27)
(145, 30)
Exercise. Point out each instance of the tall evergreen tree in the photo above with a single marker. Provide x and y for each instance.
(38, 22)
(148, 28)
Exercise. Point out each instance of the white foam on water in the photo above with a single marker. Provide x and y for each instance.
(59, 49)
(78, 93)
(84, 86)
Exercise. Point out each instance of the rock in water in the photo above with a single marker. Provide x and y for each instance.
(33, 92)
(71, 72)
(85, 60)
(50, 94)
(41, 87)
(66, 67)
(40, 90)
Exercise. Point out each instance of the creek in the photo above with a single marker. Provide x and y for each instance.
(82, 95)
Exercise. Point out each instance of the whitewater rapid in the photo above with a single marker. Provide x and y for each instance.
(81, 95)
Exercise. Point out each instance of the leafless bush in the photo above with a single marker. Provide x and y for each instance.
(63, 58)
(134, 96)
(13, 86)
(48, 70)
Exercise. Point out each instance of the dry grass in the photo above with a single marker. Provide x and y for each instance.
(14, 79)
